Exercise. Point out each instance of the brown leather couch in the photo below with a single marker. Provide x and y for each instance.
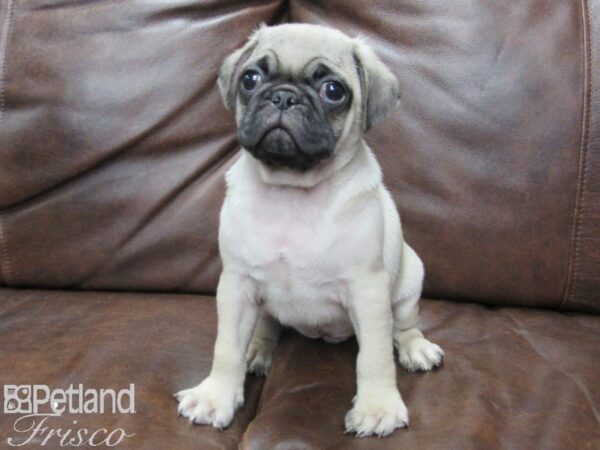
(113, 144)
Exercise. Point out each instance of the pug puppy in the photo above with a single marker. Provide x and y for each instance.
(309, 236)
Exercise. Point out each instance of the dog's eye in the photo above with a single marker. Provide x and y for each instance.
(333, 92)
(251, 80)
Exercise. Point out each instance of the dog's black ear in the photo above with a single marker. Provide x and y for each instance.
(229, 73)
(379, 87)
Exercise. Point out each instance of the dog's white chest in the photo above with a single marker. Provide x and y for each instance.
(287, 245)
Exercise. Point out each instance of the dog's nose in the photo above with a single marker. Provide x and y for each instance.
(284, 99)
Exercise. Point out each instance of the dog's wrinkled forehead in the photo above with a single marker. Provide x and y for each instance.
(291, 49)
(293, 52)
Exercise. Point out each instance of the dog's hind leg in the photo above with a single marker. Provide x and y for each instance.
(414, 351)
(263, 344)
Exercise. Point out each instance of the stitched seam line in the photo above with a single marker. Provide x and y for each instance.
(6, 268)
(3, 51)
(5, 264)
(583, 150)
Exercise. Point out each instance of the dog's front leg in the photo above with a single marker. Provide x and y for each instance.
(215, 400)
(378, 407)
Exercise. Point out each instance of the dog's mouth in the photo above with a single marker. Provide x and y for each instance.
(278, 147)
(278, 140)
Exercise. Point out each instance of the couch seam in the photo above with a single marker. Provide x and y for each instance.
(5, 263)
(575, 247)
(3, 51)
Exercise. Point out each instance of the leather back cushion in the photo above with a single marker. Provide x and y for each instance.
(113, 141)
(490, 156)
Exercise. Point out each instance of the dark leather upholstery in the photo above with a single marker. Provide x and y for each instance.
(162, 343)
(126, 141)
(483, 155)
(113, 143)
(584, 287)
(512, 379)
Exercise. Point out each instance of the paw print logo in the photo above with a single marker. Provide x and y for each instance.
(17, 399)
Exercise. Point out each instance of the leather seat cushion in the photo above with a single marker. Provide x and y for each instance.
(512, 378)
(161, 343)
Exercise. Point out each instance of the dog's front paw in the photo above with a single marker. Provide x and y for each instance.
(259, 356)
(377, 414)
(212, 402)
(419, 354)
